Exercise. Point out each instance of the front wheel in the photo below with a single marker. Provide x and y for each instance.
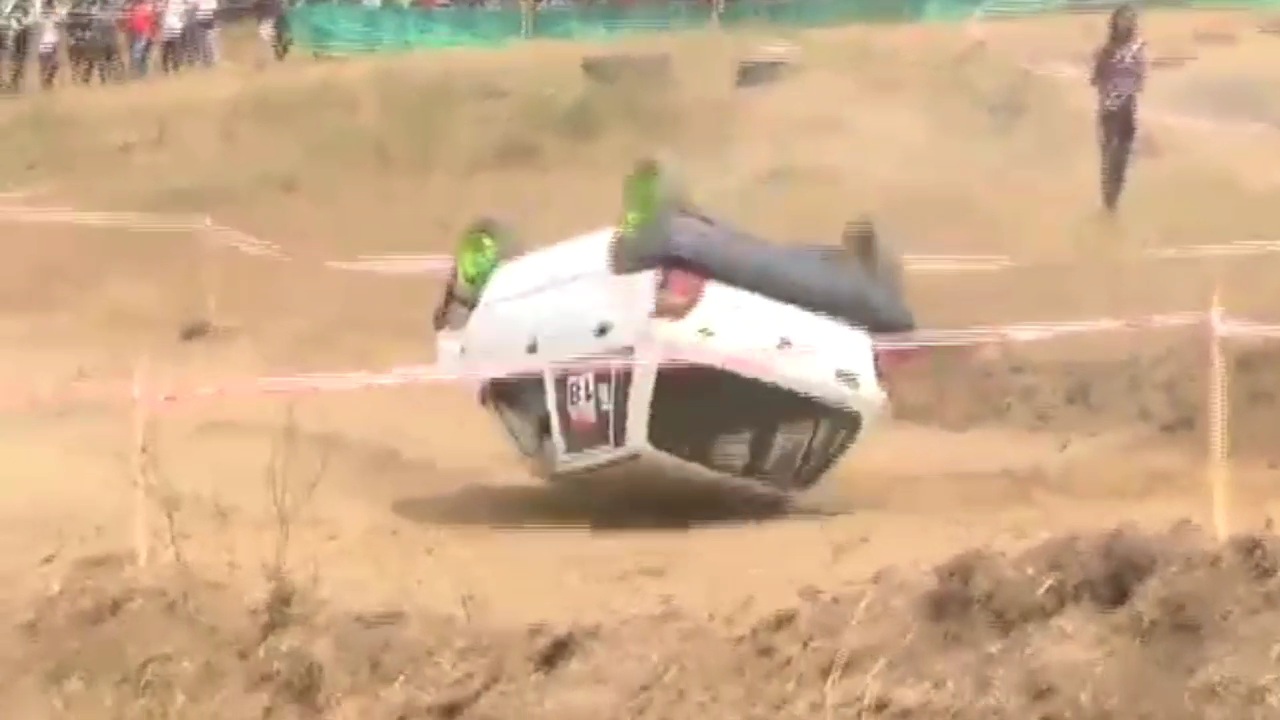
(482, 249)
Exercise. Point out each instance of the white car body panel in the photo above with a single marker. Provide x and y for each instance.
(555, 310)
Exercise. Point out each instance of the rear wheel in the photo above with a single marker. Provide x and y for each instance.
(650, 193)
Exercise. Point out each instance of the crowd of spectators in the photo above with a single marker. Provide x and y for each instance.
(117, 40)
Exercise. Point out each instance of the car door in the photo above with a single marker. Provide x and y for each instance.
(594, 347)
(592, 406)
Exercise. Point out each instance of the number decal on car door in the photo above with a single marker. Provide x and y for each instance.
(592, 409)
(580, 399)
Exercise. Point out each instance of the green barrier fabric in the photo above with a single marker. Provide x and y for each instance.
(332, 28)
(597, 23)
(821, 13)
(961, 10)
(342, 28)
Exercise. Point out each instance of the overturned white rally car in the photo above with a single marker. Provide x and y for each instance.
(674, 346)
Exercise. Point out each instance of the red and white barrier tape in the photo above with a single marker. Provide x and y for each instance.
(324, 382)
(380, 263)
(396, 264)
(437, 264)
(1236, 328)
(1029, 332)
(1232, 249)
(309, 383)
(142, 222)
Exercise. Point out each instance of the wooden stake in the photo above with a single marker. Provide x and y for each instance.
(209, 273)
(138, 463)
(1219, 468)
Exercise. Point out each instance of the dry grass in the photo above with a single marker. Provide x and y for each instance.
(391, 587)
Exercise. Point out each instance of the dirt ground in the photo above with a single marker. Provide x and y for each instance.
(1026, 542)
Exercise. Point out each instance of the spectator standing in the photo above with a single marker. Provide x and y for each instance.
(50, 43)
(187, 42)
(22, 17)
(105, 43)
(5, 32)
(206, 32)
(78, 31)
(1119, 73)
(7, 24)
(141, 24)
(273, 26)
(172, 23)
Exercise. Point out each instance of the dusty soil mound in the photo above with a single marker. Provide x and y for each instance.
(1116, 624)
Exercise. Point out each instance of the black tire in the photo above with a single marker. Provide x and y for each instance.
(450, 315)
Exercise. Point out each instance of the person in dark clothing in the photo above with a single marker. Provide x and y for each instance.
(173, 21)
(1119, 73)
(282, 36)
(273, 26)
(106, 44)
(49, 26)
(6, 30)
(79, 38)
(93, 46)
(22, 19)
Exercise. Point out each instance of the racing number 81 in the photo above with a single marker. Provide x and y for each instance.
(585, 398)
(586, 405)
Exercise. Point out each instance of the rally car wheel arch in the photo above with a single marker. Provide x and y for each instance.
(520, 405)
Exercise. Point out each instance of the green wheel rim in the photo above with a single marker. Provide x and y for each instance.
(640, 198)
(477, 258)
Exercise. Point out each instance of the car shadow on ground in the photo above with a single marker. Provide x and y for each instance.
(597, 508)
(475, 496)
